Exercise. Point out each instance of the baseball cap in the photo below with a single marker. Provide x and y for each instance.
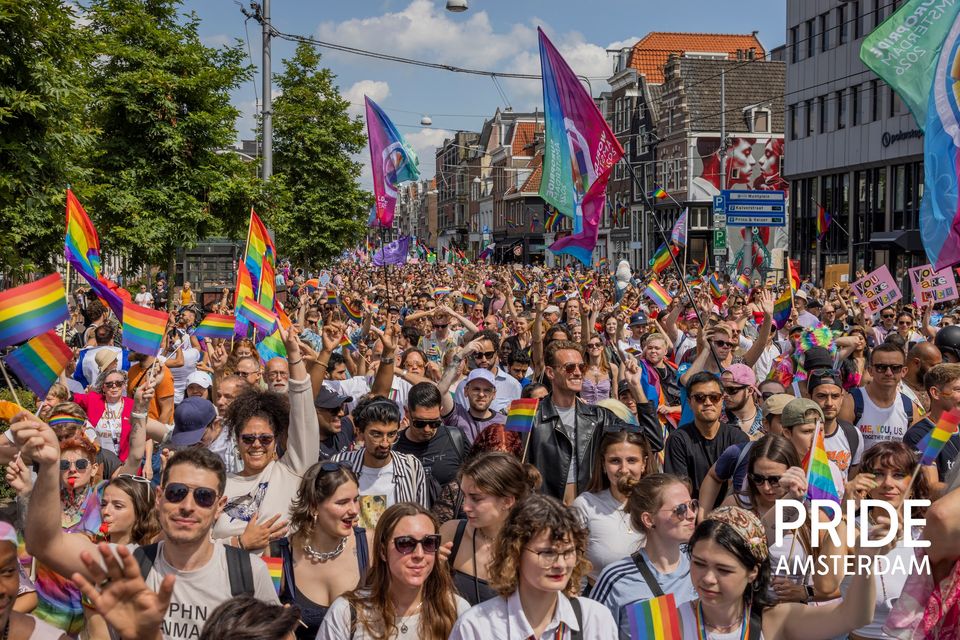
(327, 398)
(690, 315)
(481, 374)
(740, 374)
(201, 378)
(818, 377)
(190, 418)
(638, 319)
(817, 358)
(551, 309)
(814, 304)
(393, 309)
(773, 406)
(793, 414)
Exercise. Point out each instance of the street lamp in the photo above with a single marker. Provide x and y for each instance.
(426, 121)
(457, 6)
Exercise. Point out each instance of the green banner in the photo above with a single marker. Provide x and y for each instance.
(905, 48)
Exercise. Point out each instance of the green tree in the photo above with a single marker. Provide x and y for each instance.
(161, 102)
(43, 133)
(313, 141)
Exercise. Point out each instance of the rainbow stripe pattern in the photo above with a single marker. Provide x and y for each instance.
(143, 328)
(244, 285)
(39, 362)
(743, 282)
(658, 294)
(469, 299)
(31, 309)
(820, 485)
(521, 414)
(655, 619)
(823, 221)
(260, 250)
(352, 312)
(271, 347)
(932, 444)
(268, 286)
(553, 220)
(663, 257)
(347, 343)
(659, 193)
(81, 247)
(782, 309)
(520, 280)
(275, 568)
(715, 290)
(313, 284)
(216, 326)
(332, 297)
(259, 316)
(439, 292)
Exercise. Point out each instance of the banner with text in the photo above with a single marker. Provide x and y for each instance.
(876, 290)
(933, 286)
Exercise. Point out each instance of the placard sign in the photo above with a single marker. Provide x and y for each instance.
(877, 290)
(933, 286)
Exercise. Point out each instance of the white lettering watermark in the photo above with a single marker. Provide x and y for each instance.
(826, 517)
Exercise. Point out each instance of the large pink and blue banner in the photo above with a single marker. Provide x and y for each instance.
(579, 153)
(392, 162)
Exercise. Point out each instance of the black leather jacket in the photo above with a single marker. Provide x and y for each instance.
(551, 451)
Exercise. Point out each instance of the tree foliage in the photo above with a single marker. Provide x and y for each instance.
(313, 142)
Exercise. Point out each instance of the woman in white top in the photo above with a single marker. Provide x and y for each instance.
(619, 465)
(885, 474)
(407, 594)
(730, 569)
(263, 491)
(537, 567)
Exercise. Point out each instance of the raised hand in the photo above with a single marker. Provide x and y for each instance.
(259, 535)
(766, 302)
(331, 336)
(19, 478)
(36, 439)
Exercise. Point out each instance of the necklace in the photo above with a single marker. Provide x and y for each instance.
(403, 625)
(323, 556)
(703, 634)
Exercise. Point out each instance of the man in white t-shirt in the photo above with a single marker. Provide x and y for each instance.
(144, 298)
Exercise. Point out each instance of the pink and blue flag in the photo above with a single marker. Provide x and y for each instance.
(392, 161)
(678, 235)
(579, 153)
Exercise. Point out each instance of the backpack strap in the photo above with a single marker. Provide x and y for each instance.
(458, 440)
(648, 576)
(457, 539)
(908, 408)
(578, 614)
(857, 394)
(145, 557)
(851, 433)
(240, 571)
(363, 553)
(353, 619)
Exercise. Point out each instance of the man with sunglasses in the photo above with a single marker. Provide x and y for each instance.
(482, 352)
(204, 572)
(888, 324)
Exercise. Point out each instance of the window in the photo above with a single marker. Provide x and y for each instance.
(793, 44)
(842, 25)
(822, 113)
(854, 105)
(878, 12)
(808, 110)
(892, 106)
(810, 39)
(824, 32)
(874, 100)
(841, 109)
(793, 122)
(761, 121)
(858, 20)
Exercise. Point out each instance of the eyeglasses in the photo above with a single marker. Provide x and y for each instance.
(905, 323)
(887, 316)
(485, 355)
(892, 368)
(760, 480)
(767, 394)
(377, 436)
(277, 375)
(246, 374)
(570, 367)
(176, 492)
(265, 439)
(549, 558)
(441, 326)
(130, 476)
(732, 390)
(116, 384)
(425, 424)
(405, 545)
(79, 465)
(701, 398)
(681, 510)
(594, 345)
(724, 343)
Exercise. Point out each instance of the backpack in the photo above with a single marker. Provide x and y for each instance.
(239, 567)
(857, 394)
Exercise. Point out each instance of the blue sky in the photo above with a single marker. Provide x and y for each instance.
(492, 35)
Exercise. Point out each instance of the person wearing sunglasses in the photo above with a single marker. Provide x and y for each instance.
(536, 570)
(695, 446)
(879, 410)
(888, 324)
(740, 400)
(406, 589)
(659, 507)
(109, 411)
(482, 353)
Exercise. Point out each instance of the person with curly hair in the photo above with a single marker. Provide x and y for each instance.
(537, 566)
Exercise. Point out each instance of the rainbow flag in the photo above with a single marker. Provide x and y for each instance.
(823, 221)
(39, 362)
(794, 275)
(244, 285)
(216, 326)
(143, 328)
(352, 312)
(602, 264)
(469, 299)
(82, 250)
(558, 295)
(655, 619)
(663, 257)
(820, 485)
(268, 286)
(659, 193)
(392, 161)
(331, 297)
(282, 316)
(520, 280)
(31, 309)
(932, 444)
(439, 292)
(743, 282)
(260, 251)
(271, 347)
(658, 294)
(520, 415)
(255, 313)
(275, 569)
(313, 284)
(782, 309)
(346, 343)
(714, 283)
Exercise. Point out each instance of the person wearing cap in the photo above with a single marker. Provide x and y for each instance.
(740, 400)
(336, 430)
(480, 390)
(682, 338)
(483, 353)
(198, 385)
(638, 331)
(551, 313)
(843, 441)
(193, 423)
(804, 318)
(800, 419)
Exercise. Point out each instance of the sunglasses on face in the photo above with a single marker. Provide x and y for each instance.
(732, 390)
(892, 368)
(681, 510)
(760, 480)
(570, 367)
(767, 394)
(79, 465)
(702, 398)
(114, 384)
(425, 424)
(405, 545)
(724, 343)
(265, 439)
(595, 345)
(176, 492)
(887, 317)
(485, 355)
(441, 326)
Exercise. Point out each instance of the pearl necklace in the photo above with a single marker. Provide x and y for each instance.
(323, 556)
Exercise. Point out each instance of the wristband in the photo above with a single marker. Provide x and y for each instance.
(296, 363)
(387, 360)
(142, 416)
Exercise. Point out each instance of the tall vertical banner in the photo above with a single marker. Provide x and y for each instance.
(579, 153)
(81, 246)
(392, 161)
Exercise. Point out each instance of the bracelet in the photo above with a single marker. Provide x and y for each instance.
(134, 414)
(387, 360)
(322, 364)
(296, 363)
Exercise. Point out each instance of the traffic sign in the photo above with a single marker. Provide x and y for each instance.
(720, 239)
(751, 208)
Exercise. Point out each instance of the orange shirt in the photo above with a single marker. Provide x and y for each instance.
(164, 390)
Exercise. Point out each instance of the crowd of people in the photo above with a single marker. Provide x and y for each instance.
(366, 485)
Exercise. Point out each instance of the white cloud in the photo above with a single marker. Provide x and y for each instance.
(376, 89)
(217, 41)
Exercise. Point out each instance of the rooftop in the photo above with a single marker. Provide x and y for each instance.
(651, 52)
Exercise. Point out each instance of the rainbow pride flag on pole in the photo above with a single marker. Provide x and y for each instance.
(216, 326)
(352, 312)
(520, 280)
(31, 309)
(820, 485)
(39, 362)
(469, 299)
(658, 294)
(663, 257)
(823, 221)
(143, 328)
(655, 619)
(272, 347)
(260, 250)
(782, 309)
(659, 193)
(261, 317)
(743, 282)
(521, 414)
(932, 444)
(81, 247)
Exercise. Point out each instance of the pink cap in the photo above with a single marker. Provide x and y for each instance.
(740, 374)
(690, 315)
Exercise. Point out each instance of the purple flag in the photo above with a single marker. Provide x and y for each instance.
(678, 235)
(393, 252)
(391, 160)
(579, 152)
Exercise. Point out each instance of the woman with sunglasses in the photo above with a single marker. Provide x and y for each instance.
(490, 484)
(537, 566)
(601, 376)
(620, 463)
(406, 594)
(109, 411)
(660, 509)
(327, 555)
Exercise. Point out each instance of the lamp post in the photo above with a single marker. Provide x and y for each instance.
(457, 6)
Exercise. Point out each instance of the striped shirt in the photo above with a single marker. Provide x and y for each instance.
(409, 480)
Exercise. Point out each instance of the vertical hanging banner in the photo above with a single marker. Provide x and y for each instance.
(392, 161)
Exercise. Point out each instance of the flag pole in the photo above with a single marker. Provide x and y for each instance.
(383, 253)
(6, 377)
(63, 330)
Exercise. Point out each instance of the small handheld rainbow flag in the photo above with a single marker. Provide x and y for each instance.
(331, 297)
(743, 282)
(782, 309)
(715, 289)
(663, 257)
(352, 312)
(658, 294)
(520, 415)
(439, 292)
(272, 347)
(820, 485)
(39, 362)
(602, 264)
(655, 619)
(346, 343)
(313, 284)
(469, 299)
(932, 444)
(261, 317)
(659, 193)
(216, 326)
(143, 328)
(520, 280)
(275, 569)
(553, 220)
(31, 309)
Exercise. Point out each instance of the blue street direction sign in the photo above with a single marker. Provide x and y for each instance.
(752, 208)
